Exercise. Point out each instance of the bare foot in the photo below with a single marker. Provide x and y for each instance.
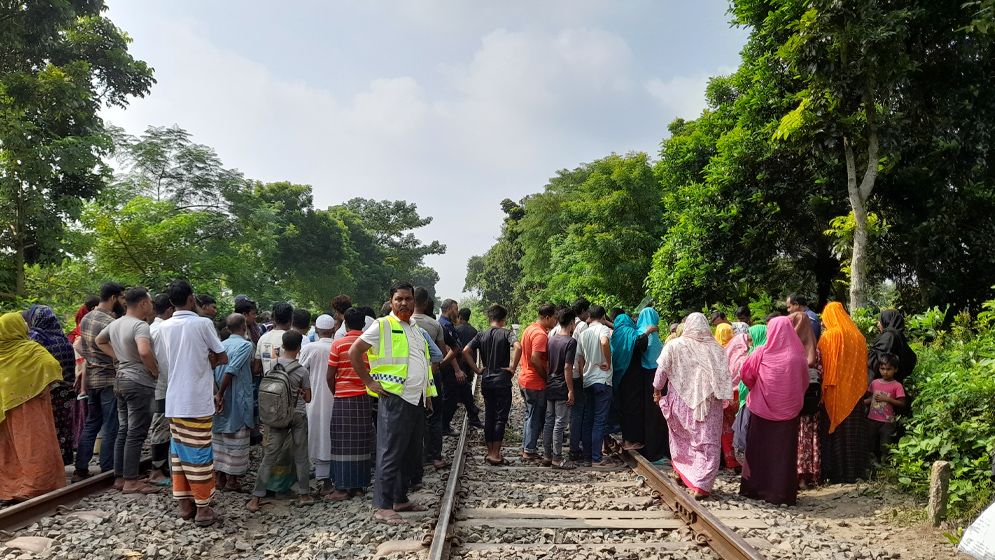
(337, 496)
(253, 505)
(118, 483)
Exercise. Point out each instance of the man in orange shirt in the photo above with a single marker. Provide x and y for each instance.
(532, 379)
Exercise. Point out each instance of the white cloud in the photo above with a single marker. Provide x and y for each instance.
(455, 137)
(682, 95)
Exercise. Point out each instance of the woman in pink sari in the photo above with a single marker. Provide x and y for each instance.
(777, 376)
(694, 367)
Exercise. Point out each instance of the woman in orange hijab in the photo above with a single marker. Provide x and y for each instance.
(844, 381)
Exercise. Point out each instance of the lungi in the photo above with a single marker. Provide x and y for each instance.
(231, 452)
(353, 442)
(192, 459)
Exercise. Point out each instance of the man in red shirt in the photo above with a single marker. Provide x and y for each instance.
(353, 439)
(532, 379)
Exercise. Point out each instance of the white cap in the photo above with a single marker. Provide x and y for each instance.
(324, 322)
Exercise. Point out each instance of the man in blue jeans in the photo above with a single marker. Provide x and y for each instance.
(101, 409)
(594, 359)
(532, 379)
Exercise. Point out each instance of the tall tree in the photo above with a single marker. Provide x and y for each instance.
(61, 61)
(854, 64)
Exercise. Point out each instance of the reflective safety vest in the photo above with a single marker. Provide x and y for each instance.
(389, 359)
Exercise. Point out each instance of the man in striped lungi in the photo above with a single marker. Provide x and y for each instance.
(193, 350)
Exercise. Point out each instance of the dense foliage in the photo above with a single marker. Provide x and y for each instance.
(176, 211)
(853, 141)
(953, 409)
(60, 61)
(589, 233)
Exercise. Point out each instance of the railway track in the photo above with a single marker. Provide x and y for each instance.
(19, 516)
(634, 511)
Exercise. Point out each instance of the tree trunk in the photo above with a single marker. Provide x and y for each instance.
(19, 243)
(859, 194)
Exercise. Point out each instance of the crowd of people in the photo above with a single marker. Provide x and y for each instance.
(358, 399)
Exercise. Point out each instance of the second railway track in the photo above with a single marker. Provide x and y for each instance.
(530, 511)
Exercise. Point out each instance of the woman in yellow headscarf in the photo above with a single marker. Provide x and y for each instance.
(724, 333)
(30, 459)
(844, 381)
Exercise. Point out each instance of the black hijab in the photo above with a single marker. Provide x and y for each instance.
(892, 340)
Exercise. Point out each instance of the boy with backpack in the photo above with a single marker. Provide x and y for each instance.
(283, 392)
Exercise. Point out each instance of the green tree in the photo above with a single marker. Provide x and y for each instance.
(391, 224)
(61, 61)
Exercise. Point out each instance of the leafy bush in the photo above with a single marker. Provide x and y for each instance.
(953, 411)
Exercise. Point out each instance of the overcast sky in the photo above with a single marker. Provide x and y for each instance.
(451, 104)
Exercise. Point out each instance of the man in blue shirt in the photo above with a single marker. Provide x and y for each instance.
(235, 418)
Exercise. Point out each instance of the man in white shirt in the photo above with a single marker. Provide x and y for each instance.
(314, 357)
(401, 413)
(193, 350)
(595, 361)
(268, 349)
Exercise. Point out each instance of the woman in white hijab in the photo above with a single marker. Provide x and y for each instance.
(694, 366)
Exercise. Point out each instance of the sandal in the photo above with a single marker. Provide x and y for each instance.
(389, 518)
(142, 489)
(409, 506)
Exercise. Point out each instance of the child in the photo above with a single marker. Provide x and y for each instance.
(300, 387)
(499, 352)
(562, 349)
(885, 394)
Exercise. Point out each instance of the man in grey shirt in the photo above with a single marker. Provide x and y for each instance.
(128, 341)
(300, 388)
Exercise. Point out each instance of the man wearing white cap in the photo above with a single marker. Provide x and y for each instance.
(314, 357)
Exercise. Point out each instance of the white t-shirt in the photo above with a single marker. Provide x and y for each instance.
(589, 346)
(268, 347)
(414, 386)
(187, 338)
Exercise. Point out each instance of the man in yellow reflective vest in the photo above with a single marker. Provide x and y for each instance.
(400, 375)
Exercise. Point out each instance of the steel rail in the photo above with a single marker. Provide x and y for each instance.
(441, 538)
(19, 516)
(707, 529)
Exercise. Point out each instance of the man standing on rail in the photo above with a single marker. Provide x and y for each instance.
(400, 375)
(101, 408)
(193, 350)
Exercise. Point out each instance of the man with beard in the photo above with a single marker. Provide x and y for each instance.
(101, 410)
(399, 374)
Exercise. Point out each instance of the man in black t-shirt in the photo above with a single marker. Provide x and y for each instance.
(457, 385)
(562, 351)
(495, 346)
